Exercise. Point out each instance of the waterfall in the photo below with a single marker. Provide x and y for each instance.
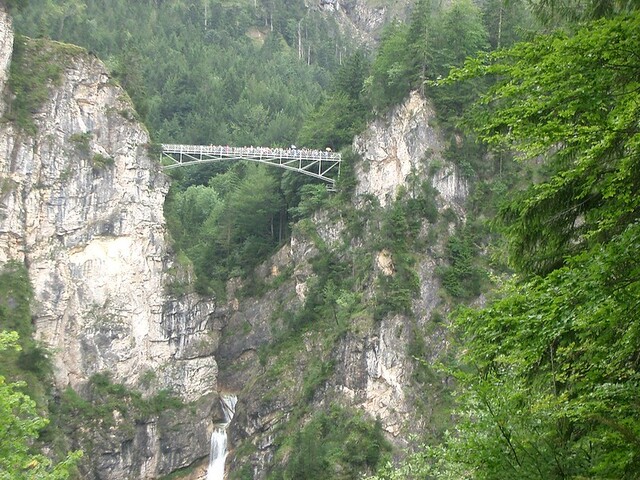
(218, 453)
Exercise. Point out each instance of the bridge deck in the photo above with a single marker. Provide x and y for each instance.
(315, 163)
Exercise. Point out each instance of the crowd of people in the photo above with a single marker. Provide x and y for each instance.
(270, 152)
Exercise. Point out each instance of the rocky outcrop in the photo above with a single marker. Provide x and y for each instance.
(93, 236)
(81, 205)
(365, 20)
(406, 142)
(366, 17)
(371, 364)
(6, 46)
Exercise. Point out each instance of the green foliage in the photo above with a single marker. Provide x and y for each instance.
(459, 33)
(389, 82)
(30, 362)
(462, 277)
(316, 375)
(16, 5)
(35, 65)
(400, 226)
(233, 76)
(336, 444)
(334, 124)
(573, 99)
(107, 410)
(330, 302)
(82, 141)
(420, 202)
(228, 227)
(346, 182)
(342, 115)
(506, 22)
(313, 197)
(548, 384)
(100, 162)
(566, 13)
(557, 383)
(15, 297)
(20, 425)
(95, 408)
(411, 55)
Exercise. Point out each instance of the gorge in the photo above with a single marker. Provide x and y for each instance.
(460, 303)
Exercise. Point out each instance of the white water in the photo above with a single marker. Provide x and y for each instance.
(218, 454)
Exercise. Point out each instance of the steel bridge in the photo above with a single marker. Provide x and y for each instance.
(315, 163)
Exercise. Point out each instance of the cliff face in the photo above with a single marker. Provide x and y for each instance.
(6, 46)
(365, 19)
(369, 366)
(402, 143)
(81, 206)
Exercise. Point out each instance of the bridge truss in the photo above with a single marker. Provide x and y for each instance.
(324, 165)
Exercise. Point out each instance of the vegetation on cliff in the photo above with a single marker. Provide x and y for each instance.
(549, 387)
(36, 65)
(24, 375)
(20, 425)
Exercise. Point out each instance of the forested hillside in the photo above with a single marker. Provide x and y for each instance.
(207, 71)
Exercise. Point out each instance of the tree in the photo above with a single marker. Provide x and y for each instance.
(459, 34)
(574, 101)
(419, 39)
(333, 124)
(553, 390)
(342, 115)
(16, 4)
(550, 367)
(570, 12)
(556, 389)
(19, 427)
(506, 21)
(390, 79)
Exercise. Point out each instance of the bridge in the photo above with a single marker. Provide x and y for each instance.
(315, 163)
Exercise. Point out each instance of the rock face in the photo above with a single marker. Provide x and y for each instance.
(405, 142)
(6, 46)
(81, 206)
(365, 19)
(371, 367)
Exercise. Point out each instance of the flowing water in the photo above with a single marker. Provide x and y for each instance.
(219, 452)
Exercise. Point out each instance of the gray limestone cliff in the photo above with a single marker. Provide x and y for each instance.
(81, 206)
(368, 366)
(363, 19)
(405, 142)
(6, 47)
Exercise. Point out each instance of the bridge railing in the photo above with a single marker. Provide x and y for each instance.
(321, 164)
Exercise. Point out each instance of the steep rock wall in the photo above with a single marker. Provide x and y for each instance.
(401, 143)
(81, 206)
(370, 366)
(6, 46)
(364, 19)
